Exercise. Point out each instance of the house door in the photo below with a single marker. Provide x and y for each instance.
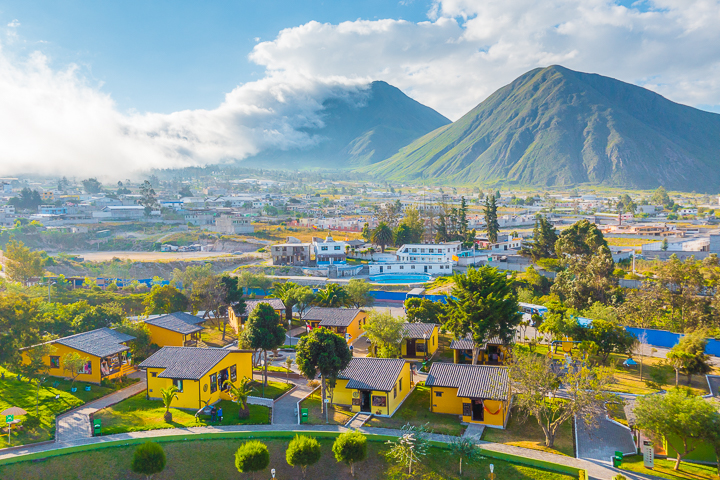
(365, 401)
(425, 268)
(478, 410)
(381, 269)
(410, 348)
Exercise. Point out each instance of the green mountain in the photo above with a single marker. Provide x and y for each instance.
(557, 127)
(360, 129)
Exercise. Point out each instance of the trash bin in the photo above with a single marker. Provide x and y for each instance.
(97, 426)
(304, 415)
(617, 461)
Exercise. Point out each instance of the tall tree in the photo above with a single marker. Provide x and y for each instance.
(424, 310)
(149, 197)
(359, 293)
(323, 352)
(27, 199)
(483, 303)
(92, 185)
(689, 355)
(491, 222)
(543, 242)
(264, 332)
(402, 235)
(413, 220)
(286, 291)
(382, 235)
(580, 239)
(164, 299)
(333, 295)
(37, 369)
(385, 332)
(22, 263)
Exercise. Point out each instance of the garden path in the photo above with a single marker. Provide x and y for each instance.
(285, 409)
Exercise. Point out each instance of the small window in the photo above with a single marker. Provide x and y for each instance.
(389, 268)
(400, 384)
(412, 267)
(395, 391)
(179, 384)
(54, 362)
(402, 267)
(233, 373)
(433, 340)
(153, 374)
(337, 247)
(438, 394)
(213, 383)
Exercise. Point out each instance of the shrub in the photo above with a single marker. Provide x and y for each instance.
(31, 422)
(149, 459)
(303, 451)
(350, 447)
(252, 457)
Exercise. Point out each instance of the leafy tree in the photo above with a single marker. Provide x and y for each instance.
(148, 459)
(359, 293)
(543, 242)
(688, 356)
(240, 394)
(165, 299)
(677, 417)
(483, 304)
(101, 316)
(286, 291)
(233, 290)
(465, 449)
(350, 447)
(19, 324)
(189, 277)
(252, 456)
(333, 295)
(21, 263)
(382, 235)
(385, 332)
(424, 310)
(142, 347)
(27, 200)
(149, 197)
(37, 369)
(247, 279)
(92, 185)
(263, 331)
(303, 451)
(661, 197)
(537, 385)
(413, 220)
(711, 436)
(587, 279)
(168, 395)
(210, 294)
(491, 222)
(580, 239)
(366, 232)
(74, 364)
(324, 352)
(304, 296)
(410, 447)
(664, 246)
(185, 191)
(402, 235)
(609, 338)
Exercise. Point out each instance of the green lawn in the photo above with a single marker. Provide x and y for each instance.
(213, 459)
(416, 411)
(529, 435)
(272, 389)
(137, 414)
(22, 394)
(337, 415)
(664, 468)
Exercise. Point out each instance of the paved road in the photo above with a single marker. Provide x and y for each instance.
(285, 409)
(602, 442)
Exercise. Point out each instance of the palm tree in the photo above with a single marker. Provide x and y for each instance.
(382, 235)
(286, 292)
(168, 395)
(333, 295)
(240, 393)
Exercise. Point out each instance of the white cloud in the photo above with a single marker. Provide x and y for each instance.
(53, 121)
(14, 23)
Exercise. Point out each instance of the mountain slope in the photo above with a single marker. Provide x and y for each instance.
(360, 130)
(555, 126)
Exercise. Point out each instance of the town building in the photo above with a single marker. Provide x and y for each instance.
(420, 340)
(177, 329)
(492, 352)
(347, 322)
(292, 252)
(233, 225)
(328, 251)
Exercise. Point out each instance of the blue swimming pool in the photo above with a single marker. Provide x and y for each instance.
(390, 278)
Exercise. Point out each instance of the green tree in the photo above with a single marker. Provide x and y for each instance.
(324, 352)
(402, 235)
(187, 279)
(465, 449)
(92, 185)
(410, 447)
(424, 310)
(20, 323)
(609, 338)
(711, 436)
(664, 245)
(661, 197)
(100, 316)
(240, 394)
(366, 232)
(168, 395)
(359, 293)
(286, 291)
(333, 295)
(385, 332)
(302, 452)
(148, 459)
(543, 242)
(413, 220)
(27, 199)
(580, 239)
(36, 369)
(677, 418)
(209, 294)
(491, 222)
(252, 456)
(74, 364)
(350, 447)
(689, 356)
(141, 347)
(304, 297)
(165, 299)
(21, 263)
(263, 331)
(483, 304)
(149, 197)
(382, 235)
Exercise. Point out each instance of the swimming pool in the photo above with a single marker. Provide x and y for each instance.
(390, 278)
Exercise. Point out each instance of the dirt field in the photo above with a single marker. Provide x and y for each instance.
(151, 256)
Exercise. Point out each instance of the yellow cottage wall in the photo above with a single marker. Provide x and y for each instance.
(344, 396)
(431, 347)
(450, 403)
(94, 377)
(163, 337)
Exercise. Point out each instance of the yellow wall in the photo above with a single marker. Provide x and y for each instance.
(497, 420)
(344, 396)
(194, 396)
(450, 403)
(93, 377)
(236, 321)
(163, 337)
(355, 328)
(431, 347)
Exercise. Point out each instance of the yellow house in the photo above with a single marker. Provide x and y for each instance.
(343, 321)
(177, 329)
(237, 319)
(479, 393)
(493, 352)
(374, 385)
(420, 340)
(106, 350)
(198, 373)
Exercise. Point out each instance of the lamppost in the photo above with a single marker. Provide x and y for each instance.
(49, 284)
(492, 475)
(272, 472)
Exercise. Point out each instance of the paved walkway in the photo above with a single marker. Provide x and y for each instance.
(602, 442)
(474, 431)
(358, 421)
(285, 409)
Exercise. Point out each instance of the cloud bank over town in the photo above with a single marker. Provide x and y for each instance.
(54, 121)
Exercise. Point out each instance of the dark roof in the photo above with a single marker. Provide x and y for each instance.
(185, 362)
(180, 322)
(472, 381)
(332, 317)
(467, 343)
(416, 329)
(366, 373)
(251, 305)
(100, 343)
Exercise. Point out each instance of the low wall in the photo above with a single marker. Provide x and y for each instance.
(265, 402)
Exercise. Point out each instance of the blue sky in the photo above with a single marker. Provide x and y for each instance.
(164, 56)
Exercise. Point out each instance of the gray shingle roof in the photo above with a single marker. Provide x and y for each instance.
(185, 362)
(467, 343)
(251, 305)
(102, 342)
(366, 373)
(416, 330)
(180, 322)
(332, 317)
(472, 381)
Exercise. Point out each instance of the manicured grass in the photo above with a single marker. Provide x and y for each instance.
(337, 415)
(272, 389)
(213, 459)
(416, 411)
(137, 414)
(664, 468)
(22, 394)
(271, 368)
(213, 336)
(528, 434)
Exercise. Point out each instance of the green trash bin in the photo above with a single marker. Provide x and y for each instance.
(304, 415)
(97, 427)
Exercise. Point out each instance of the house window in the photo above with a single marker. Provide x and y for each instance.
(420, 347)
(323, 248)
(395, 391)
(438, 394)
(412, 267)
(213, 383)
(233, 373)
(400, 384)
(54, 362)
(337, 247)
(179, 384)
(433, 341)
(402, 267)
(88, 368)
(153, 374)
(389, 268)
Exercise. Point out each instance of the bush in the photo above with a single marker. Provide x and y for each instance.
(31, 422)
(303, 451)
(350, 447)
(252, 457)
(149, 459)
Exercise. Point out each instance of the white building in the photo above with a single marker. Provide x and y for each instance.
(329, 251)
(428, 253)
(232, 225)
(418, 258)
